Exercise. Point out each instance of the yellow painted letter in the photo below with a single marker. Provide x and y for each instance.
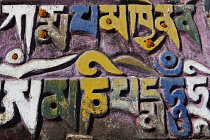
(145, 18)
(145, 92)
(171, 30)
(83, 63)
(110, 21)
(93, 103)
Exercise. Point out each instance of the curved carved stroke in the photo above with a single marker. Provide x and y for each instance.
(137, 11)
(135, 62)
(34, 65)
(169, 65)
(191, 63)
(83, 63)
(196, 92)
(186, 23)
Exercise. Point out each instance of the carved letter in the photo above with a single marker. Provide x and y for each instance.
(149, 94)
(28, 108)
(169, 60)
(148, 22)
(59, 35)
(121, 97)
(93, 103)
(171, 30)
(18, 11)
(77, 23)
(58, 105)
(110, 21)
(197, 90)
(176, 108)
(83, 63)
(186, 23)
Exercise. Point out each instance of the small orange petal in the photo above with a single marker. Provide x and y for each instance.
(43, 34)
(149, 43)
(14, 56)
(42, 13)
(163, 25)
(108, 21)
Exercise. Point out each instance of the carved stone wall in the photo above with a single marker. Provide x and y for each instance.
(108, 69)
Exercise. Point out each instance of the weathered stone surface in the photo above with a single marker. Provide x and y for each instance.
(108, 69)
